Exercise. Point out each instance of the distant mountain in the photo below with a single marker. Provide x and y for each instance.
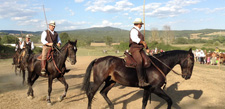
(98, 34)
(19, 32)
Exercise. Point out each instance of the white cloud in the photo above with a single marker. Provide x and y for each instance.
(69, 25)
(208, 10)
(70, 11)
(20, 18)
(106, 6)
(11, 8)
(107, 23)
(78, 1)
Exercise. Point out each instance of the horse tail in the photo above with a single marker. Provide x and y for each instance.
(86, 80)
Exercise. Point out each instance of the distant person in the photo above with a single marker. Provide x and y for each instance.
(28, 42)
(49, 38)
(23, 45)
(137, 44)
(217, 50)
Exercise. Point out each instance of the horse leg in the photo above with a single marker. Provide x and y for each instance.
(159, 92)
(92, 92)
(50, 79)
(63, 81)
(23, 76)
(105, 90)
(31, 81)
(145, 98)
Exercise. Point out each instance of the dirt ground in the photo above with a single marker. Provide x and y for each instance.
(205, 90)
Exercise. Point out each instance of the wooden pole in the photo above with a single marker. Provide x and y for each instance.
(45, 17)
(144, 17)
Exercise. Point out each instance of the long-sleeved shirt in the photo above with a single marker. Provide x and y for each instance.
(32, 45)
(44, 35)
(134, 35)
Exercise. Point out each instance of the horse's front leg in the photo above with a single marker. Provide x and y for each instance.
(145, 98)
(63, 81)
(158, 91)
(50, 79)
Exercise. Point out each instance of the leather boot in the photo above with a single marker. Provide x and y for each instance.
(141, 78)
(43, 64)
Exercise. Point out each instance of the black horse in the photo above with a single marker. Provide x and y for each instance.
(26, 53)
(112, 70)
(16, 56)
(58, 59)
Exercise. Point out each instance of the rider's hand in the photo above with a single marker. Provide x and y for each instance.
(49, 44)
(143, 43)
(58, 44)
(147, 50)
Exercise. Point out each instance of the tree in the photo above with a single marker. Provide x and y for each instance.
(168, 34)
(108, 40)
(155, 34)
(9, 39)
(64, 37)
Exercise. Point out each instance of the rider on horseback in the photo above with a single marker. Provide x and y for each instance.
(49, 38)
(136, 45)
(23, 45)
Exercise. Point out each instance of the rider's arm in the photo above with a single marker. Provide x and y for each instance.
(21, 46)
(134, 36)
(32, 45)
(43, 37)
(59, 41)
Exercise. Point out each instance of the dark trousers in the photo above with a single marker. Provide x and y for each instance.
(136, 53)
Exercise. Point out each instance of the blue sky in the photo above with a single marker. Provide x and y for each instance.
(80, 14)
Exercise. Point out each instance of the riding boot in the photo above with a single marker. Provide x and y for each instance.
(141, 78)
(43, 64)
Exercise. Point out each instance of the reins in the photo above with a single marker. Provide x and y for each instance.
(165, 65)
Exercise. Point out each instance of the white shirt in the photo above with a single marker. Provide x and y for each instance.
(134, 35)
(44, 35)
(32, 45)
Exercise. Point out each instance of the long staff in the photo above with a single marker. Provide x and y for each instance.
(144, 17)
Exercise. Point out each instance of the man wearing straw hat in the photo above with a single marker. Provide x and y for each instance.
(48, 38)
(136, 44)
(28, 42)
(23, 45)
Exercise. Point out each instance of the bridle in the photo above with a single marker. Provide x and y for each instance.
(61, 55)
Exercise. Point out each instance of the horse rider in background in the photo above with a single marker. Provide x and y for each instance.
(137, 44)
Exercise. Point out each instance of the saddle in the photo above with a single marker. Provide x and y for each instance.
(131, 63)
(49, 56)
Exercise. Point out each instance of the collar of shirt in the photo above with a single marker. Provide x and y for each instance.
(51, 31)
(137, 28)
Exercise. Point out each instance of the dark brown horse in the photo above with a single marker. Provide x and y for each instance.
(34, 69)
(27, 53)
(16, 56)
(112, 70)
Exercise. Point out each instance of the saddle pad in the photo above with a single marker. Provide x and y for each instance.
(129, 61)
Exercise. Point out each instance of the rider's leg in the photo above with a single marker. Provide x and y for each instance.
(140, 73)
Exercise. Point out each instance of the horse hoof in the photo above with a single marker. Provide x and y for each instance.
(49, 104)
(30, 97)
(60, 99)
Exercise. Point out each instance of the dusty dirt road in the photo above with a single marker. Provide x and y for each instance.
(204, 90)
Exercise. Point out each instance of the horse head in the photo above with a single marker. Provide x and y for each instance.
(72, 50)
(187, 65)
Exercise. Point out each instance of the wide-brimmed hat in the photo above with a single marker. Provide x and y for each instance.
(52, 23)
(27, 36)
(138, 21)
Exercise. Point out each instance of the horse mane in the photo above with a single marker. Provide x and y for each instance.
(64, 47)
(173, 53)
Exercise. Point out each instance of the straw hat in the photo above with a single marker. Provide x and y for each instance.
(27, 36)
(138, 21)
(52, 23)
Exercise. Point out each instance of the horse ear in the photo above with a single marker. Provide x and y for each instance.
(76, 41)
(190, 50)
(68, 40)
